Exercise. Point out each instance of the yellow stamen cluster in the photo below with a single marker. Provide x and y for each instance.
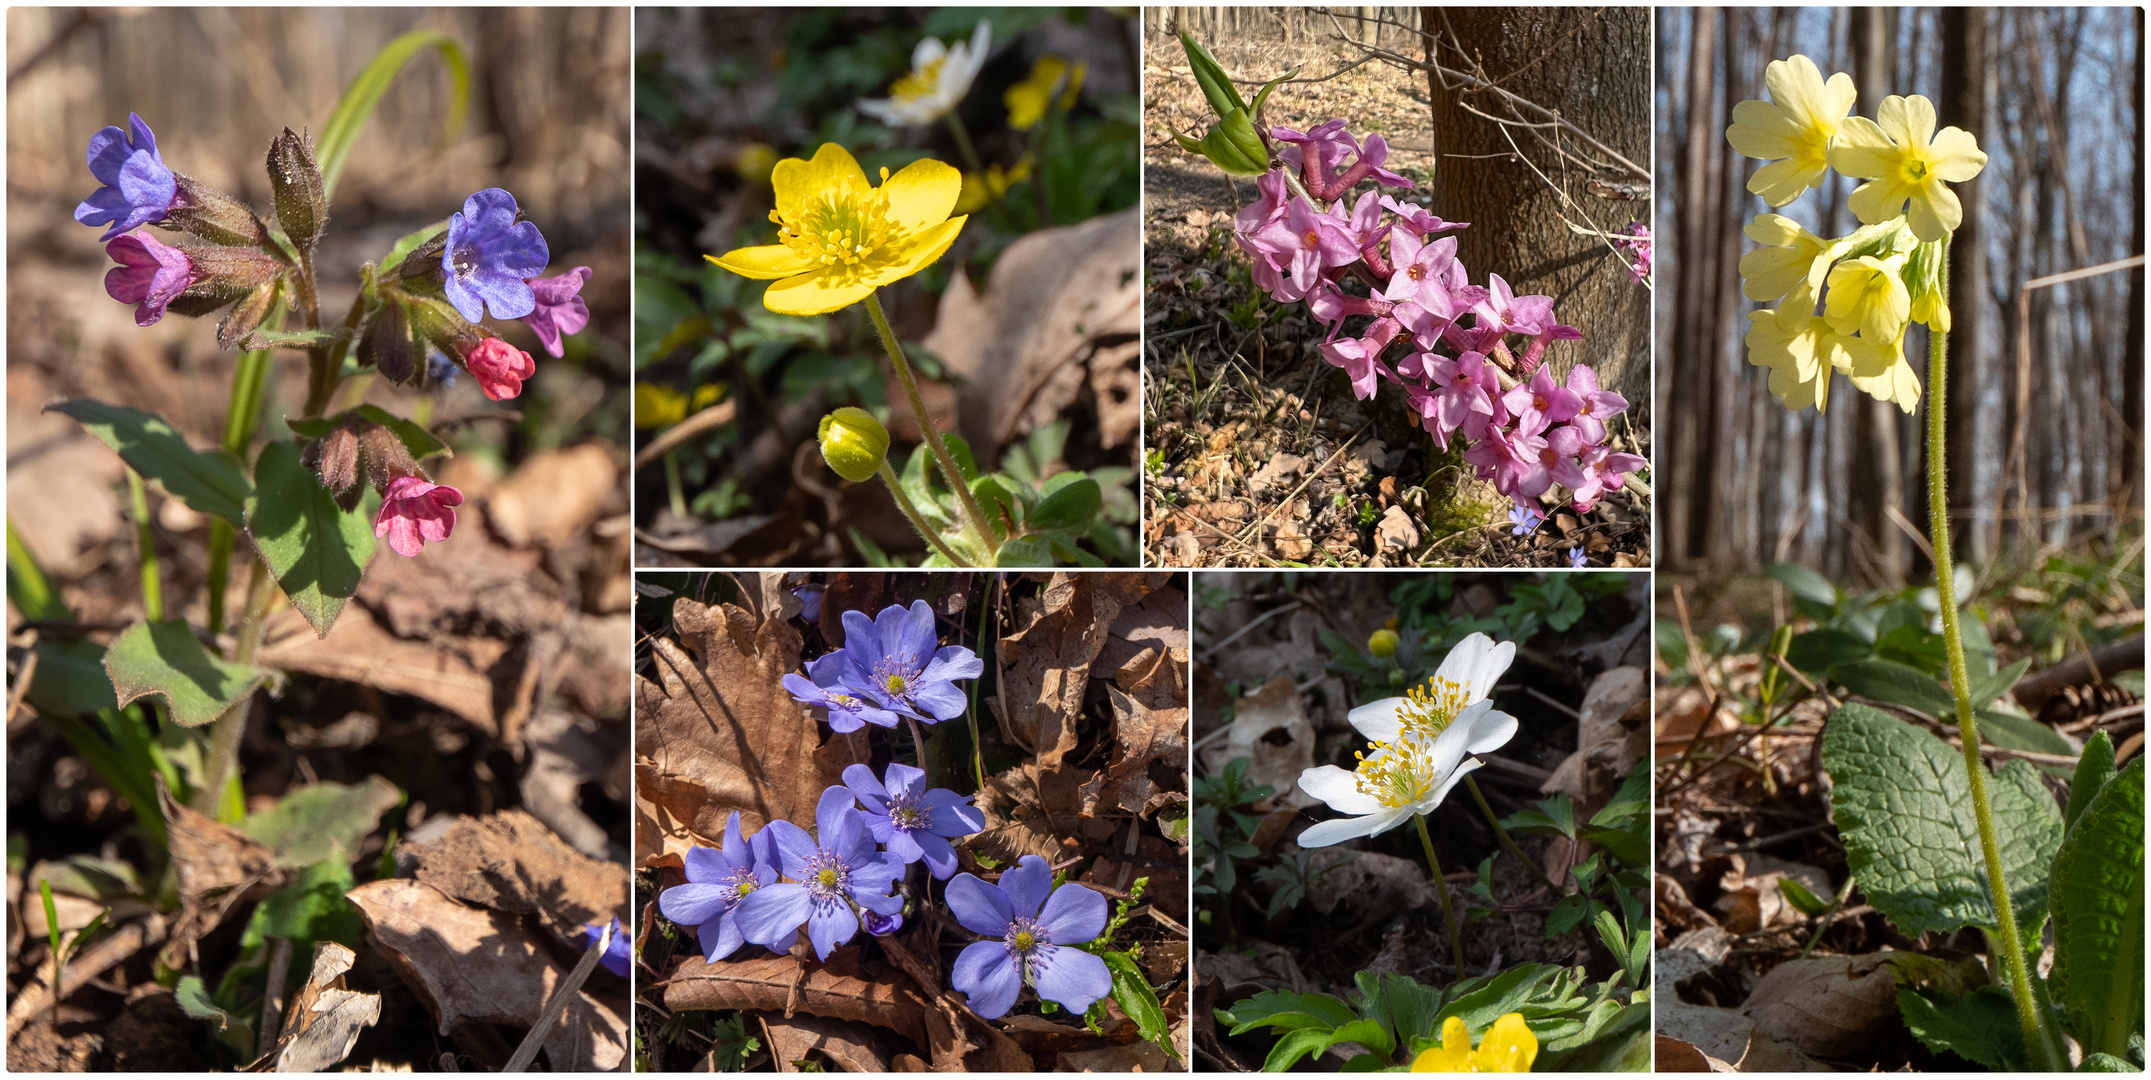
(843, 229)
(828, 878)
(1434, 705)
(919, 83)
(1024, 940)
(1397, 774)
(896, 684)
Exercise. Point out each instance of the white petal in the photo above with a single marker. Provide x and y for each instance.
(1378, 720)
(1487, 729)
(1442, 792)
(1325, 833)
(1338, 788)
(1476, 664)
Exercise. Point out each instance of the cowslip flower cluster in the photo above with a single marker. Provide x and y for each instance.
(1874, 282)
(1422, 745)
(1508, 1046)
(485, 260)
(1468, 358)
(888, 670)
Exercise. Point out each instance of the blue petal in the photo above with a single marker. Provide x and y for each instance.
(903, 778)
(828, 811)
(106, 204)
(486, 213)
(1072, 977)
(829, 926)
(860, 780)
(704, 866)
(955, 662)
(981, 908)
(147, 183)
(692, 904)
(940, 857)
(987, 974)
(941, 700)
(108, 151)
(505, 294)
(773, 913)
(909, 635)
(1026, 884)
(144, 138)
(903, 846)
(520, 251)
(860, 640)
(953, 814)
(1073, 915)
(849, 838)
(793, 847)
(881, 903)
(467, 301)
(720, 937)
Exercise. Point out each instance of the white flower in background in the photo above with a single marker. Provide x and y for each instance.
(1422, 746)
(940, 76)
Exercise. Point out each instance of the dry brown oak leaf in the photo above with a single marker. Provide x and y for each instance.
(217, 867)
(717, 732)
(511, 862)
(782, 984)
(1060, 634)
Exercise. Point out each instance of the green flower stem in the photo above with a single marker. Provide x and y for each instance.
(146, 540)
(675, 494)
(962, 136)
(918, 521)
(225, 734)
(2006, 936)
(250, 382)
(1441, 889)
(972, 513)
(1507, 844)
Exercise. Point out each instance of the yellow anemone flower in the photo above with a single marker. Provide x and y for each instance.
(1796, 125)
(1902, 157)
(842, 238)
(1790, 267)
(982, 188)
(658, 405)
(1026, 100)
(1868, 295)
(1508, 1046)
(1880, 370)
(1800, 357)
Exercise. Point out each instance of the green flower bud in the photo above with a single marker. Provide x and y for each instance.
(853, 443)
(1382, 643)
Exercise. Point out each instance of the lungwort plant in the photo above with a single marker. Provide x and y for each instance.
(1937, 841)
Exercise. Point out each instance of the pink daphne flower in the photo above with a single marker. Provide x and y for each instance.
(499, 367)
(1361, 358)
(1513, 314)
(1319, 154)
(414, 512)
(149, 275)
(1460, 395)
(560, 309)
(1597, 406)
(1603, 469)
(1543, 397)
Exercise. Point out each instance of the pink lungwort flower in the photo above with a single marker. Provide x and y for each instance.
(149, 274)
(499, 367)
(415, 512)
(560, 309)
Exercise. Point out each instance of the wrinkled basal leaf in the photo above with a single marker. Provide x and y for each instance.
(165, 659)
(473, 965)
(1900, 803)
(317, 549)
(719, 731)
(1980, 1027)
(2098, 896)
(321, 821)
(211, 481)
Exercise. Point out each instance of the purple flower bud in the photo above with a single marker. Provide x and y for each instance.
(560, 309)
(138, 188)
(489, 258)
(149, 274)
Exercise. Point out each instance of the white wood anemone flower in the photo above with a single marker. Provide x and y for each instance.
(1423, 745)
(939, 78)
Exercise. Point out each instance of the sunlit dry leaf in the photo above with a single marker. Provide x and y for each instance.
(218, 868)
(848, 1044)
(554, 495)
(511, 862)
(324, 1019)
(784, 984)
(1046, 669)
(1829, 1006)
(1269, 729)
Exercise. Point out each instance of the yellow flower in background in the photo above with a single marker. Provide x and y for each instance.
(1800, 356)
(1796, 125)
(754, 162)
(1904, 159)
(1868, 295)
(1880, 370)
(1790, 267)
(1382, 643)
(1508, 1046)
(1026, 100)
(982, 188)
(841, 237)
(706, 395)
(940, 76)
(658, 405)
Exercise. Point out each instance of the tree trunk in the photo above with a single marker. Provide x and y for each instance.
(1975, 432)
(1593, 67)
(1684, 490)
(1873, 40)
(2131, 444)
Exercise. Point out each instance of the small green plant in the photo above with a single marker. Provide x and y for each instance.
(1296, 878)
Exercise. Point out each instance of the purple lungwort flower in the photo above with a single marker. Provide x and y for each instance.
(1525, 518)
(717, 880)
(149, 275)
(827, 877)
(560, 308)
(137, 190)
(1030, 945)
(829, 684)
(490, 256)
(914, 822)
(615, 957)
(1513, 314)
(894, 661)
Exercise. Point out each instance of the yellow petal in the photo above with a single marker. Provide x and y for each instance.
(1877, 201)
(801, 185)
(1777, 230)
(763, 263)
(1862, 149)
(1935, 212)
(1763, 131)
(1957, 156)
(919, 250)
(1796, 84)
(1909, 120)
(1508, 1046)
(818, 293)
(922, 193)
(1781, 182)
(1840, 95)
(1767, 274)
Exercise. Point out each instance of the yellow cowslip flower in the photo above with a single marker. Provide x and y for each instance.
(842, 238)
(1868, 295)
(1790, 267)
(658, 405)
(1508, 1046)
(1879, 369)
(1800, 357)
(1796, 125)
(982, 188)
(1902, 157)
(1026, 100)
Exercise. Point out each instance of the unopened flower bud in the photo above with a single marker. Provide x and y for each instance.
(853, 443)
(210, 214)
(1382, 643)
(499, 367)
(385, 457)
(437, 324)
(387, 345)
(245, 316)
(302, 205)
(334, 457)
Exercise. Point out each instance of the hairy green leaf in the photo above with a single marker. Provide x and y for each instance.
(1980, 1027)
(1898, 684)
(2098, 895)
(1139, 1001)
(421, 443)
(2093, 770)
(165, 659)
(1901, 804)
(210, 481)
(323, 820)
(357, 105)
(316, 548)
(1072, 507)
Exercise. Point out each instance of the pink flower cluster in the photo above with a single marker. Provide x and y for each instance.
(1637, 240)
(1524, 432)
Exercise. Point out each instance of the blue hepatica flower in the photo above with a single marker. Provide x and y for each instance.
(1576, 557)
(615, 957)
(1028, 945)
(137, 190)
(1525, 519)
(489, 257)
(893, 659)
(827, 878)
(914, 822)
(717, 880)
(829, 685)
